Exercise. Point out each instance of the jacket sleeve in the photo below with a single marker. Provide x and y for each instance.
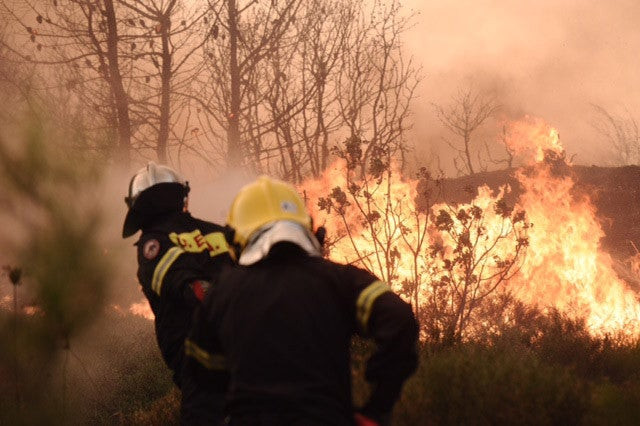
(181, 276)
(205, 360)
(177, 269)
(384, 317)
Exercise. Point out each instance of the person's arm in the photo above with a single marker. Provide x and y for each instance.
(393, 327)
(384, 317)
(204, 356)
(182, 275)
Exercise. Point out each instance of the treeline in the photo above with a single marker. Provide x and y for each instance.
(269, 85)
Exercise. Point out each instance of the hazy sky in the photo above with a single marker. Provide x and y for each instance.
(549, 58)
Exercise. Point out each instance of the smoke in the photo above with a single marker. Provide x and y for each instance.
(552, 59)
(114, 362)
(210, 197)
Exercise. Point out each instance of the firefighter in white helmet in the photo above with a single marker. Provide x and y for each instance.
(178, 256)
(281, 322)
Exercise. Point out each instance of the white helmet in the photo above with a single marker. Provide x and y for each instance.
(167, 183)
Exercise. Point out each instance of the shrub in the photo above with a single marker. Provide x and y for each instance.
(475, 385)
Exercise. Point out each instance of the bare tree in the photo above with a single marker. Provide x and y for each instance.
(164, 40)
(242, 36)
(509, 151)
(125, 61)
(79, 42)
(465, 114)
(622, 134)
(309, 75)
(377, 86)
(303, 92)
(272, 85)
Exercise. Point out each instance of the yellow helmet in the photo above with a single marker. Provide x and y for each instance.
(264, 201)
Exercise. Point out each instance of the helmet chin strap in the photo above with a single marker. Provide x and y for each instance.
(276, 232)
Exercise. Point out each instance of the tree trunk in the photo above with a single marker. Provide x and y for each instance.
(117, 88)
(467, 152)
(165, 100)
(234, 152)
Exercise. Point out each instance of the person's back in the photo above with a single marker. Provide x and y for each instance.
(166, 270)
(282, 326)
(177, 256)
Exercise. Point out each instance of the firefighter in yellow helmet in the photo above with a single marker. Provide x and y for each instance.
(178, 255)
(281, 322)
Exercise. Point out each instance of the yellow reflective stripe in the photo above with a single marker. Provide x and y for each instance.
(163, 266)
(366, 299)
(212, 362)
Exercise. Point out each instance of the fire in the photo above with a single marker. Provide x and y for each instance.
(376, 224)
(390, 242)
(565, 266)
(142, 309)
(533, 137)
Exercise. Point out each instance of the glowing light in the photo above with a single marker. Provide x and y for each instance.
(142, 309)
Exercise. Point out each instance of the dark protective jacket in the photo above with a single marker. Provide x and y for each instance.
(174, 251)
(282, 329)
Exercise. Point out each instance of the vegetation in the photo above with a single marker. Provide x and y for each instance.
(51, 223)
(283, 87)
(544, 369)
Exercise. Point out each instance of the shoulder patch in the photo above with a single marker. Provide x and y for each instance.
(151, 249)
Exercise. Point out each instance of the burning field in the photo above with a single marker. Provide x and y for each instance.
(451, 246)
(538, 240)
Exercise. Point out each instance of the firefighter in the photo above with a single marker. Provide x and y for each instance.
(178, 256)
(280, 323)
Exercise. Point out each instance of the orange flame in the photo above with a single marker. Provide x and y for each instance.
(362, 241)
(142, 309)
(564, 266)
(531, 136)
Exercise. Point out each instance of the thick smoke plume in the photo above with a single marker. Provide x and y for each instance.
(551, 59)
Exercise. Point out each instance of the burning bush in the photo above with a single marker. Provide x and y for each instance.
(479, 247)
(450, 262)
(460, 265)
